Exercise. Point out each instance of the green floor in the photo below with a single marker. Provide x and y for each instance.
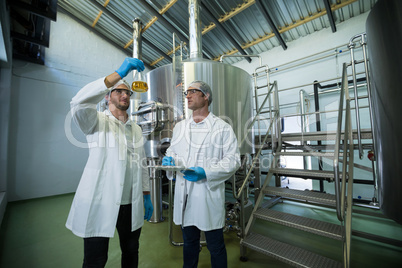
(33, 235)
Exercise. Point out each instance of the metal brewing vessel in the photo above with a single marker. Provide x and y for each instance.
(384, 38)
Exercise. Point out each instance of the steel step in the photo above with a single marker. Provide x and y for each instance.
(309, 196)
(303, 173)
(322, 228)
(318, 136)
(287, 253)
(311, 153)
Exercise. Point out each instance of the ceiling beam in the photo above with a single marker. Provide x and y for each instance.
(130, 29)
(290, 27)
(223, 30)
(330, 15)
(236, 10)
(168, 6)
(271, 23)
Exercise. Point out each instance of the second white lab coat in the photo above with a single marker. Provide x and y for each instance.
(202, 203)
(96, 203)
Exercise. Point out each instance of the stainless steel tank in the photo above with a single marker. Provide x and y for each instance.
(384, 38)
(232, 101)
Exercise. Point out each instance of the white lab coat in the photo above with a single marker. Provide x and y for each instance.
(202, 203)
(96, 203)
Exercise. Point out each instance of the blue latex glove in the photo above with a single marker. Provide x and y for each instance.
(195, 174)
(149, 208)
(167, 161)
(128, 65)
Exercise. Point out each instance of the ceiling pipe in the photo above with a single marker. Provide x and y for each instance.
(166, 24)
(195, 32)
(137, 45)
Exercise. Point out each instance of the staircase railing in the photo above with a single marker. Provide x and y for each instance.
(344, 197)
(237, 194)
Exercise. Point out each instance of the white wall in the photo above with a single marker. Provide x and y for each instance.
(42, 160)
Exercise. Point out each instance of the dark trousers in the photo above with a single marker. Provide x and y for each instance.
(215, 245)
(96, 248)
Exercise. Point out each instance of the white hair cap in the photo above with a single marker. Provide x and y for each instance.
(204, 87)
(122, 81)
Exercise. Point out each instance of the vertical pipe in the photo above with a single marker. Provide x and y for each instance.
(257, 107)
(351, 46)
(364, 45)
(302, 114)
(318, 126)
(137, 53)
(155, 175)
(195, 32)
(137, 39)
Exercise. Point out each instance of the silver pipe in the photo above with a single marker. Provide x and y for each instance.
(137, 42)
(364, 44)
(255, 117)
(337, 146)
(237, 195)
(137, 46)
(309, 84)
(351, 47)
(170, 211)
(277, 118)
(195, 31)
(244, 56)
(256, 93)
(278, 69)
(312, 113)
(302, 111)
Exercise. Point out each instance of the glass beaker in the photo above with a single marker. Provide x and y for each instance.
(139, 84)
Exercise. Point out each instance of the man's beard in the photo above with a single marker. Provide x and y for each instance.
(120, 106)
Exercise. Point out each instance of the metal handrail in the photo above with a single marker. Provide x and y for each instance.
(340, 193)
(238, 194)
(253, 163)
(256, 87)
(351, 47)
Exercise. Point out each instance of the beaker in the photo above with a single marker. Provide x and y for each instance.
(139, 84)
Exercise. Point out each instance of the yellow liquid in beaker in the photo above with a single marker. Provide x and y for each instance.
(139, 86)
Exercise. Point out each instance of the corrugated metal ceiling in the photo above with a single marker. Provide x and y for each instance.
(243, 23)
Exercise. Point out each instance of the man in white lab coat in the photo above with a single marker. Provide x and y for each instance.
(206, 148)
(114, 187)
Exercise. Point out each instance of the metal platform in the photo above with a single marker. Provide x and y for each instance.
(322, 228)
(309, 196)
(292, 255)
(311, 153)
(303, 173)
(317, 136)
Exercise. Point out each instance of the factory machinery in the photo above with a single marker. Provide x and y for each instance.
(158, 110)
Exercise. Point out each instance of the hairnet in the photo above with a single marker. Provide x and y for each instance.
(122, 81)
(204, 87)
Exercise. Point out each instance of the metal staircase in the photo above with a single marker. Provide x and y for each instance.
(340, 150)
